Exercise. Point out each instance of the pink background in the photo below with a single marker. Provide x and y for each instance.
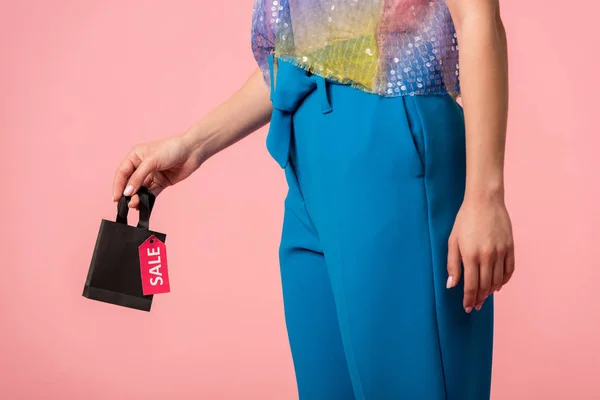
(82, 81)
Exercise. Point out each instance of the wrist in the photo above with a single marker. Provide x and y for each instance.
(489, 191)
(196, 140)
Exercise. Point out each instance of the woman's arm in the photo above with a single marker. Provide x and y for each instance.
(484, 86)
(246, 111)
(482, 235)
(165, 162)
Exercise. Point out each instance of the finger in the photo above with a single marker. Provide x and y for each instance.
(152, 184)
(155, 189)
(498, 273)
(139, 176)
(509, 265)
(152, 187)
(485, 281)
(454, 262)
(156, 182)
(471, 280)
(148, 181)
(124, 171)
(134, 202)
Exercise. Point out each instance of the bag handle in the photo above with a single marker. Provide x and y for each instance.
(147, 200)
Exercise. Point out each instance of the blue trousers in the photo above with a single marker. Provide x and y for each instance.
(374, 187)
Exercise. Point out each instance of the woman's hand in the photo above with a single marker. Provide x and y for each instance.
(155, 165)
(482, 239)
(482, 234)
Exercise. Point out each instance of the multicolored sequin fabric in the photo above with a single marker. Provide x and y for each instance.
(388, 47)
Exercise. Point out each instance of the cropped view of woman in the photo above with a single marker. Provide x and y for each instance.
(395, 232)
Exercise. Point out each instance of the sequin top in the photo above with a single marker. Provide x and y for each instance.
(388, 47)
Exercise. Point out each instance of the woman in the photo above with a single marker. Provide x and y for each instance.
(395, 232)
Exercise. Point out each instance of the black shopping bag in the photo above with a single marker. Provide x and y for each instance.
(114, 275)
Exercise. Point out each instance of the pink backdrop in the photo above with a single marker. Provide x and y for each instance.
(82, 81)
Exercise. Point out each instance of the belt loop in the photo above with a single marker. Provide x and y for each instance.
(322, 89)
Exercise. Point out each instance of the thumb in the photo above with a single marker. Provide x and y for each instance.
(454, 261)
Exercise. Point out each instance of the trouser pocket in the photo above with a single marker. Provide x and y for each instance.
(412, 128)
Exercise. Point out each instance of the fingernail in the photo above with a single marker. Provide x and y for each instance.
(449, 283)
(478, 307)
(128, 190)
(468, 309)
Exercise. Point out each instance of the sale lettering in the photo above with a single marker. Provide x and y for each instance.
(155, 270)
(153, 265)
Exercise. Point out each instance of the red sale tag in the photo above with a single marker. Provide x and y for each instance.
(153, 264)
